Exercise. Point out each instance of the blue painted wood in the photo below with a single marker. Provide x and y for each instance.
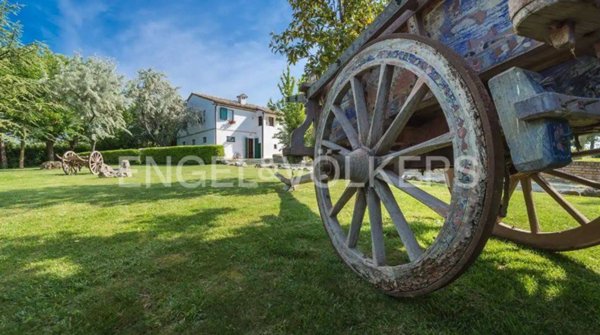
(479, 31)
(579, 112)
(535, 145)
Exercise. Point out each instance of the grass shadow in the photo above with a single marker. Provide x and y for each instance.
(191, 273)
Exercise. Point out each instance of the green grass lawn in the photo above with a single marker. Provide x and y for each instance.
(82, 255)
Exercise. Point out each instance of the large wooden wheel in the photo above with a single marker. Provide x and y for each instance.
(69, 165)
(582, 233)
(95, 162)
(360, 130)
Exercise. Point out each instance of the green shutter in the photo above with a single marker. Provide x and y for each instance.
(223, 114)
(257, 149)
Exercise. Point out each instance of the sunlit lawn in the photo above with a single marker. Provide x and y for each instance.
(82, 255)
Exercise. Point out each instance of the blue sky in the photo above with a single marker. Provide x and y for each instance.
(218, 47)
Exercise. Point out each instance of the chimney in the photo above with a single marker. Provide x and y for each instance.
(242, 99)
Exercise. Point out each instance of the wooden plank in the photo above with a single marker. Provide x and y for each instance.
(531, 211)
(439, 142)
(341, 203)
(377, 239)
(360, 208)
(386, 75)
(381, 23)
(360, 105)
(586, 153)
(574, 178)
(341, 117)
(425, 198)
(580, 218)
(407, 236)
(335, 147)
(402, 118)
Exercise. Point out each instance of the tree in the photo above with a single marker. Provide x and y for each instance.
(93, 90)
(56, 120)
(321, 29)
(10, 33)
(21, 92)
(158, 109)
(292, 114)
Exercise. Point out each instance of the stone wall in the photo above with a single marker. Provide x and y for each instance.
(588, 170)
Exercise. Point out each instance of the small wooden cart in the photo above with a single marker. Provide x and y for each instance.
(72, 163)
(490, 89)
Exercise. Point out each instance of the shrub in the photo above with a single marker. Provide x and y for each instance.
(204, 152)
(111, 157)
(35, 154)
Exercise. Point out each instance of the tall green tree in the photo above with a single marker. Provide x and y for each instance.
(10, 33)
(292, 114)
(321, 29)
(158, 109)
(94, 91)
(55, 120)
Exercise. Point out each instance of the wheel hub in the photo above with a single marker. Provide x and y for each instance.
(358, 165)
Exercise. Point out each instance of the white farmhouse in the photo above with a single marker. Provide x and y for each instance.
(246, 131)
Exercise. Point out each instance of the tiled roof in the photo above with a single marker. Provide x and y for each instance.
(234, 103)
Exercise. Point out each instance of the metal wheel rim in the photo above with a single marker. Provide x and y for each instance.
(386, 277)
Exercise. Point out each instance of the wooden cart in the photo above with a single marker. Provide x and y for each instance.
(72, 163)
(491, 89)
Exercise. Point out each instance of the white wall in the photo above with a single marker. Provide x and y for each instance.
(216, 130)
(198, 132)
(270, 142)
(245, 126)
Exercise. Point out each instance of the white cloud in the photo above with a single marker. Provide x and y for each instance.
(197, 58)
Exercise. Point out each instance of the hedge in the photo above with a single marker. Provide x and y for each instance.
(36, 154)
(111, 157)
(204, 152)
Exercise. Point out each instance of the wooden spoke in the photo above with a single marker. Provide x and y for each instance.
(360, 208)
(347, 126)
(406, 112)
(383, 93)
(377, 239)
(449, 179)
(531, 211)
(574, 178)
(406, 234)
(425, 198)
(362, 114)
(580, 218)
(586, 153)
(419, 149)
(336, 147)
(346, 196)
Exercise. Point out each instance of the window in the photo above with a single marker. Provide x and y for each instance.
(194, 142)
(183, 143)
(271, 122)
(226, 114)
(223, 114)
(275, 146)
(230, 139)
(204, 140)
(260, 121)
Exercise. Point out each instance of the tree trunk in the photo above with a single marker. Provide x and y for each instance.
(94, 146)
(3, 159)
(22, 154)
(72, 144)
(50, 150)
